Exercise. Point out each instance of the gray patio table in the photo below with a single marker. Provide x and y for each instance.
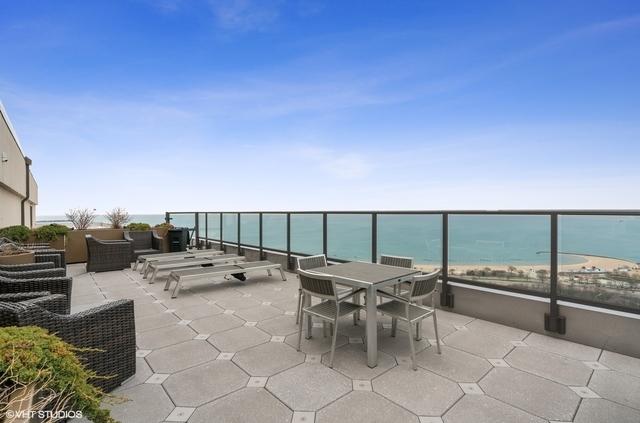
(372, 277)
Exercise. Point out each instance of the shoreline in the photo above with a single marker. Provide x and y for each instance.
(588, 262)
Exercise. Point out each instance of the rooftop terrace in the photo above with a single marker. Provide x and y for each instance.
(226, 353)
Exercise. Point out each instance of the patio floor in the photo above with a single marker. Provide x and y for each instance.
(226, 353)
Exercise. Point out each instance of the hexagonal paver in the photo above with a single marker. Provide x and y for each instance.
(419, 391)
(454, 364)
(280, 326)
(454, 319)
(562, 347)
(146, 403)
(143, 310)
(162, 337)
(618, 387)
(351, 360)
(217, 323)
(186, 300)
(155, 321)
(551, 366)
(257, 313)
(201, 384)
(533, 394)
(198, 311)
(238, 339)
(268, 359)
(181, 356)
(399, 345)
(308, 387)
(249, 405)
(318, 344)
(484, 409)
(238, 302)
(601, 410)
(364, 407)
(621, 363)
(143, 372)
(480, 342)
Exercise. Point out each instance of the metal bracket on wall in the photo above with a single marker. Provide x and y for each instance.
(446, 299)
(556, 324)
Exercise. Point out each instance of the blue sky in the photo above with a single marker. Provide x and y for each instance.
(309, 104)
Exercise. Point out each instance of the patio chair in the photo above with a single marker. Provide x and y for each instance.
(26, 267)
(405, 308)
(144, 243)
(330, 309)
(52, 280)
(108, 329)
(105, 255)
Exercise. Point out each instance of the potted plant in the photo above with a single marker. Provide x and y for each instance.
(12, 254)
(17, 233)
(40, 375)
(53, 234)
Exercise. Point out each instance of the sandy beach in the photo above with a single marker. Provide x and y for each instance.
(586, 261)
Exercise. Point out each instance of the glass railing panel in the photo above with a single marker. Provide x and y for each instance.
(503, 250)
(306, 233)
(213, 225)
(183, 220)
(230, 227)
(202, 227)
(274, 231)
(250, 229)
(412, 235)
(599, 259)
(349, 236)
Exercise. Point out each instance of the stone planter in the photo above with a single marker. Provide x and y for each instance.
(22, 258)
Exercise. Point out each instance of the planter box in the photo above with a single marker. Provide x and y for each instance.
(57, 244)
(24, 258)
(76, 246)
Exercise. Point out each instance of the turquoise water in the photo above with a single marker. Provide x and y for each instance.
(487, 239)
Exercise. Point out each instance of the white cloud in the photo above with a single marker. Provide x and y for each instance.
(245, 15)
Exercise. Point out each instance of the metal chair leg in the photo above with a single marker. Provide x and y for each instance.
(333, 342)
(435, 328)
(300, 334)
(413, 350)
(299, 308)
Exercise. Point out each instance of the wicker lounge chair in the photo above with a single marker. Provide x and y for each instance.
(179, 276)
(408, 309)
(144, 243)
(109, 329)
(330, 309)
(51, 280)
(105, 255)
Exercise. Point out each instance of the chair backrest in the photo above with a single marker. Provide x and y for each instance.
(311, 262)
(318, 284)
(423, 285)
(397, 261)
(142, 240)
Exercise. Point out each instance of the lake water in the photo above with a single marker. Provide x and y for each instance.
(517, 240)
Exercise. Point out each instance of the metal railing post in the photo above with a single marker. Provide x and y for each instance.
(553, 322)
(446, 297)
(238, 240)
(221, 235)
(289, 241)
(260, 236)
(167, 218)
(324, 234)
(196, 216)
(206, 230)
(374, 237)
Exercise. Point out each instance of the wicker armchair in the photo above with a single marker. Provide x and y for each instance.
(50, 280)
(26, 267)
(105, 255)
(109, 329)
(144, 242)
(43, 255)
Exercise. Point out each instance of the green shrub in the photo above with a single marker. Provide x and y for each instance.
(138, 226)
(164, 226)
(50, 232)
(31, 357)
(18, 233)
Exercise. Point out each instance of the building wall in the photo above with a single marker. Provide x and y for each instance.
(13, 186)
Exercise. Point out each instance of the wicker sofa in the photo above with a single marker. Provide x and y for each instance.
(144, 242)
(109, 329)
(106, 255)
